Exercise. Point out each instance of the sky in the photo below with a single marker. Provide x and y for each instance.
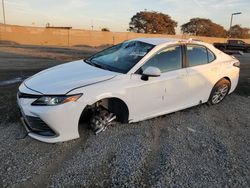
(116, 14)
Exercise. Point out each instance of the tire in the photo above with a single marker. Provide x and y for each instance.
(219, 92)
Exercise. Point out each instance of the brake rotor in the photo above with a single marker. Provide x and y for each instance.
(101, 118)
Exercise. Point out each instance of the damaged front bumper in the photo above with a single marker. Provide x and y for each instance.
(36, 125)
(50, 124)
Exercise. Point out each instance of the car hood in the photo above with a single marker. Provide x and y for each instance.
(66, 77)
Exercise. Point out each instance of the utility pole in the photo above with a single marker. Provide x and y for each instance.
(231, 21)
(3, 13)
(92, 26)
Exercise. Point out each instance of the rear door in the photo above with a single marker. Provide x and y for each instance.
(202, 72)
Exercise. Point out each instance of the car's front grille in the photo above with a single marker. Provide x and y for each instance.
(26, 95)
(36, 125)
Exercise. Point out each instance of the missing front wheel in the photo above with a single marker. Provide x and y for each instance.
(101, 119)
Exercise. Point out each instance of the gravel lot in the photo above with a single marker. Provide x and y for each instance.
(198, 147)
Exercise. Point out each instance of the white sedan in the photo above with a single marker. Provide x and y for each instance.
(129, 82)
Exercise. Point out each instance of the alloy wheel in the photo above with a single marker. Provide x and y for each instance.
(220, 94)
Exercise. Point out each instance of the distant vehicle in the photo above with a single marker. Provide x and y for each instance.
(129, 82)
(233, 45)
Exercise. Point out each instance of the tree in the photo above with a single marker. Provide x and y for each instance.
(105, 29)
(203, 27)
(152, 22)
(237, 31)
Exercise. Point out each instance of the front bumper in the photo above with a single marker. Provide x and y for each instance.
(50, 124)
(36, 125)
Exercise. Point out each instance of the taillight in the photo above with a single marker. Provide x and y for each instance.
(237, 64)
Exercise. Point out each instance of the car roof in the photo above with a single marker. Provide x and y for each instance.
(162, 41)
(158, 41)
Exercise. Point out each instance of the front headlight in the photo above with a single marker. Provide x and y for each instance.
(55, 100)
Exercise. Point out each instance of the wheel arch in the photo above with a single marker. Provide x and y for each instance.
(226, 78)
(223, 78)
(112, 103)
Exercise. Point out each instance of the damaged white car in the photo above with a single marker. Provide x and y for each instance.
(129, 82)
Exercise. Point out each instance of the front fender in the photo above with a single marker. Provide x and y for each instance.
(105, 96)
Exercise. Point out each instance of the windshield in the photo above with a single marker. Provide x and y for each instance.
(122, 57)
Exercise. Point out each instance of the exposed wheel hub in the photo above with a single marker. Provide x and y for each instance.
(101, 118)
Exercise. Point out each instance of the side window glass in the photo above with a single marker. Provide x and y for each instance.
(166, 60)
(197, 55)
(210, 55)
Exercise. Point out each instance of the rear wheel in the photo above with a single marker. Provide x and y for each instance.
(219, 92)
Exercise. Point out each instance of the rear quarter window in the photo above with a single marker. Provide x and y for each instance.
(210, 55)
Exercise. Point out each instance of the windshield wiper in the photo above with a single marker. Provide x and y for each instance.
(87, 61)
(98, 65)
(95, 64)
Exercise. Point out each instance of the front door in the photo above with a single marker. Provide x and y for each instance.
(163, 94)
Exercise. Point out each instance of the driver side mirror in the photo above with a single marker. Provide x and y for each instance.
(150, 72)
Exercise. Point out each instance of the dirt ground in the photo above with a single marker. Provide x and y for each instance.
(203, 146)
